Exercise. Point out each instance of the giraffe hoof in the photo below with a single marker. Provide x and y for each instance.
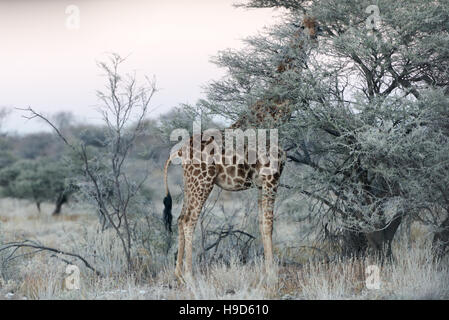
(180, 279)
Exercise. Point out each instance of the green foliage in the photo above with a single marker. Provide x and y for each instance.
(37, 180)
(6, 159)
(90, 135)
(36, 145)
(368, 129)
(183, 118)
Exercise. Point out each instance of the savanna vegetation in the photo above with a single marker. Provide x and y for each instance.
(366, 183)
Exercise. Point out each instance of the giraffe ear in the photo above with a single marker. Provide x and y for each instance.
(309, 22)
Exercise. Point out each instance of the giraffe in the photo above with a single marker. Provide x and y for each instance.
(232, 174)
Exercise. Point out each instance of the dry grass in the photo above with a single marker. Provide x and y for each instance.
(413, 274)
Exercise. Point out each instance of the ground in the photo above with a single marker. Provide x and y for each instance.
(42, 275)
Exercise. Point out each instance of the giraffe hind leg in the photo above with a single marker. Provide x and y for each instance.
(181, 243)
(189, 226)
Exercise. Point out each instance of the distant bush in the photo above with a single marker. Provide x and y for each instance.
(35, 180)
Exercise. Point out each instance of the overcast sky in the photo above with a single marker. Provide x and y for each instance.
(50, 65)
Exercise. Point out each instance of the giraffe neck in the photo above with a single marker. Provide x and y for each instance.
(275, 109)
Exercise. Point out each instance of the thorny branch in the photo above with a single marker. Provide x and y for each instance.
(38, 248)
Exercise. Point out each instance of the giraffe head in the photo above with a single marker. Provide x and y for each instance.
(310, 27)
(275, 108)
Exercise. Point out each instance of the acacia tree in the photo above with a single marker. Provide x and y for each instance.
(359, 98)
(36, 180)
(427, 172)
(5, 157)
(3, 114)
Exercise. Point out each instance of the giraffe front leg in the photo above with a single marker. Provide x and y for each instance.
(266, 225)
(261, 221)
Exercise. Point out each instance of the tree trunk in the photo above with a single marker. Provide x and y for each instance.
(441, 239)
(38, 206)
(381, 240)
(354, 244)
(62, 198)
(357, 244)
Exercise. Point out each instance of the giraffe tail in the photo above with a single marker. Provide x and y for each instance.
(168, 217)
